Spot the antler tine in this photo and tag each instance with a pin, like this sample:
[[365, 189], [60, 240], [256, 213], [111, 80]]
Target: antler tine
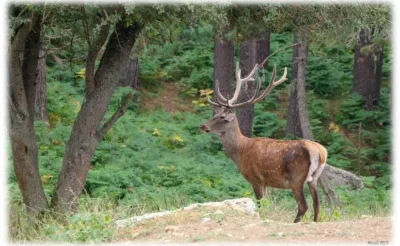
[[213, 103], [240, 81], [251, 101], [272, 84], [219, 94], [218, 97]]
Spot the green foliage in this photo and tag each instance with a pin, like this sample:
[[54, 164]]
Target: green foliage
[[188, 62], [267, 124], [152, 161]]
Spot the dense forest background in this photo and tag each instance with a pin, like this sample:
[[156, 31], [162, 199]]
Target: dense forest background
[[152, 156]]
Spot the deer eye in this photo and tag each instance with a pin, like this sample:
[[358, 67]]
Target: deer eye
[[222, 117]]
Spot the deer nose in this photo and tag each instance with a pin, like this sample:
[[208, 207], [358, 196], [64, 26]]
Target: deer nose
[[204, 128]]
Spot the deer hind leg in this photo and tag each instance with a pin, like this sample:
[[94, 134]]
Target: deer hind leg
[[314, 194], [298, 193], [314, 191]]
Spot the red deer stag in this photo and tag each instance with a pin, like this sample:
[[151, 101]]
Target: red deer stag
[[285, 164]]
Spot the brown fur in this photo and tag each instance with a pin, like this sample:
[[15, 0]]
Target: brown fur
[[271, 162]]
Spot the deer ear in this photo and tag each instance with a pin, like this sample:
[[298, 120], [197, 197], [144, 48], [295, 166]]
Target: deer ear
[[230, 117]]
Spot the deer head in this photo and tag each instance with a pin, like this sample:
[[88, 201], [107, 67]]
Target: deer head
[[225, 120], [222, 122]]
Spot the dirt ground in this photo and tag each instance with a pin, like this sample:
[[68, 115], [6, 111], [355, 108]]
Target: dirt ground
[[227, 225], [167, 99]]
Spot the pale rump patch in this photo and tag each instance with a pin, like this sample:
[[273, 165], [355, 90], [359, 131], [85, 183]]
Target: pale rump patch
[[314, 159], [318, 157]]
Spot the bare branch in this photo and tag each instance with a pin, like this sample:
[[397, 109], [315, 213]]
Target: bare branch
[[120, 112], [276, 51]]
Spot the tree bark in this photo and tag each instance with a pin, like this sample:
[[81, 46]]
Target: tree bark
[[86, 132], [95, 45], [223, 67], [251, 52], [364, 76], [378, 73], [30, 67], [21, 110], [298, 123], [41, 88], [293, 119], [132, 77]]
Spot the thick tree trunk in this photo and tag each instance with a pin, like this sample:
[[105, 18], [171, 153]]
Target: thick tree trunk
[[364, 76], [223, 67], [29, 67], [86, 132], [21, 103], [41, 88], [132, 78], [251, 52]]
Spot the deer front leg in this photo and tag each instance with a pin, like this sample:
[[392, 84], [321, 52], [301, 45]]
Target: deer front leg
[[259, 191]]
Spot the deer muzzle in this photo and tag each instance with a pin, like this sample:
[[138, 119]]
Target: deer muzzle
[[204, 128]]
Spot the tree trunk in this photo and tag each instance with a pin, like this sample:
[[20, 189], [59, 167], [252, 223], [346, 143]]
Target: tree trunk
[[86, 132], [223, 67], [298, 123], [41, 89], [251, 52], [21, 103], [293, 119], [364, 76], [132, 78], [378, 73]]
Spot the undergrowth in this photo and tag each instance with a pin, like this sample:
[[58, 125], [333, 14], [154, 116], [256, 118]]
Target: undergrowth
[[154, 160]]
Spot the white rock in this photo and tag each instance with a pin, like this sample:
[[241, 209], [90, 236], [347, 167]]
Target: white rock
[[241, 204], [205, 219]]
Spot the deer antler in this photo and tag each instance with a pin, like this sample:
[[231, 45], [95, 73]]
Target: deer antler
[[228, 103], [250, 77]]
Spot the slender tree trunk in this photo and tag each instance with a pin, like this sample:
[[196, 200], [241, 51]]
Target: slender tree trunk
[[293, 119], [87, 132], [298, 123], [21, 104], [41, 88], [364, 76], [378, 73], [251, 52], [223, 67]]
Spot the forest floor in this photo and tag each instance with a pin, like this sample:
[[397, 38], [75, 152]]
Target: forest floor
[[216, 225], [166, 98]]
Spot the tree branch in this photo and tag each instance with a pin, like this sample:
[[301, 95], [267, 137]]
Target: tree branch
[[120, 112], [94, 49], [276, 51], [86, 26]]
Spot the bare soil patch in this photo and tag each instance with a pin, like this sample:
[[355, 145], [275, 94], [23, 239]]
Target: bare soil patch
[[228, 225], [166, 98]]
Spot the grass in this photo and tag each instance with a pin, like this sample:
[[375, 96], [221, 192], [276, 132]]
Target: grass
[[94, 220], [279, 206]]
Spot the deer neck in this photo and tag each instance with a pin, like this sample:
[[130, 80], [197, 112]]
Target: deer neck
[[233, 142]]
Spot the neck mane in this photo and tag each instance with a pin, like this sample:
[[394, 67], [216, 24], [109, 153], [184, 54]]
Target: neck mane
[[233, 141]]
